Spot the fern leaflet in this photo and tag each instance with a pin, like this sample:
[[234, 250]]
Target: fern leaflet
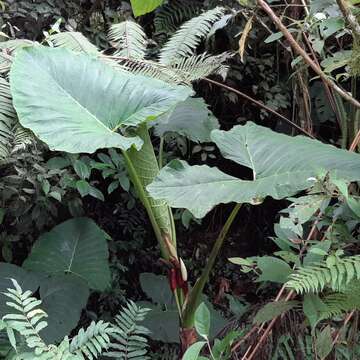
[[188, 37], [334, 272], [129, 39], [130, 340]]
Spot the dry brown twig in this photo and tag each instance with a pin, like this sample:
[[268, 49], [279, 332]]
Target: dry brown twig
[[298, 49]]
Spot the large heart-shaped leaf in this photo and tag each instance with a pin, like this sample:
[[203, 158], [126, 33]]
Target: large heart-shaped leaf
[[281, 165], [190, 118], [77, 103], [63, 298], [77, 246]]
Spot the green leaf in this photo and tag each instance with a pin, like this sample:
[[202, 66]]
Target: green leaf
[[202, 320], [193, 352], [141, 7], [312, 308], [273, 269], [282, 166], [162, 321], [190, 118], [153, 287], [77, 246], [273, 310], [77, 103], [323, 343], [81, 169], [63, 299], [273, 37], [83, 187]]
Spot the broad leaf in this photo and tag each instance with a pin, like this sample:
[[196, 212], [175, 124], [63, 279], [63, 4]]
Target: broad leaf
[[281, 165], [324, 342], [77, 246], [193, 352], [202, 320], [63, 298], [273, 269], [141, 7], [77, 103], [153, 286], [273, 309], [190, 118]]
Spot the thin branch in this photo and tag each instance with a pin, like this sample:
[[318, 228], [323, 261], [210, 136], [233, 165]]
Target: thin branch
[[258, 103], [355, 142], [297, 48]]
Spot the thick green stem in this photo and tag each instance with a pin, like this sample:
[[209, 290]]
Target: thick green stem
[[145, 201], [196, 292]]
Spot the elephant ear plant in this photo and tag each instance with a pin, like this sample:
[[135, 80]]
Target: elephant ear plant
[[79, 104]]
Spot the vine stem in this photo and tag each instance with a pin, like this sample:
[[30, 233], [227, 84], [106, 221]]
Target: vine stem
[[297, 48], [195, 294], [258, 103]]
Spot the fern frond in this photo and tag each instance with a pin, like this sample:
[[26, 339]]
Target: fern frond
[[22, 138], [7, 49], [171, 15], [7, 118], [151, 69], [28, 319], [130, 340], [129, 39], [92, 341], [199, 66], [335, 274], [188, 37], [74, 41]]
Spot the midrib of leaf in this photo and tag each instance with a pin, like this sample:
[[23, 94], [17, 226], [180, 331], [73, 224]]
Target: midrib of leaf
[[73, 253], [127, 39], [67, 94]]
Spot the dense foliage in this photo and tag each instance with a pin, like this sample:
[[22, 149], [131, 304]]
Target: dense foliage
[[200, 158]]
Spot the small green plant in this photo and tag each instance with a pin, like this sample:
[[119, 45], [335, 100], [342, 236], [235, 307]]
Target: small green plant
[[221, 348], [122, 340]]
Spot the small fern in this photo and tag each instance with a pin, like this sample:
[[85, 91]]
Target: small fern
[[130, 340], [129, 39], [171, 15], [74, 41], [93, 341], [7, 118], [126, 338], [13, 137], [28, 320], [334, 272], [339, 303], [199, 66], [188, 37], [7, 49]]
